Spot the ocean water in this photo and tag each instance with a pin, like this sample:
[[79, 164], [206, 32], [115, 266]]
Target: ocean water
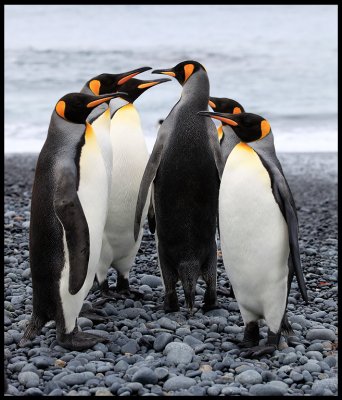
[[277, 61]]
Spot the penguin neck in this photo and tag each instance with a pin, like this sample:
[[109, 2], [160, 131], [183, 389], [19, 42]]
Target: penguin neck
[[196, 90], [67, 135], [230, 140]]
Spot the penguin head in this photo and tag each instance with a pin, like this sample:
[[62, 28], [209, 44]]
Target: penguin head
[[224, 105], [75, 107], [109, 83], [135, 87], [181, 71], [248, 127]]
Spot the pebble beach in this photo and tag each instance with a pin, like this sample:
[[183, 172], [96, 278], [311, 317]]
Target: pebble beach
[[150, 353]]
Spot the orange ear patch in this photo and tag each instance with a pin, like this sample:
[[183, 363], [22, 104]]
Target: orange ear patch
[[94, 86], [99, 101], [60, 108], [265, 128], [188, 70], [237, 110], [212, 104], [147, 85], [220, 133]]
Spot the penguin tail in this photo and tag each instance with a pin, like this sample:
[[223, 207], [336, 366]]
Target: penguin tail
[[188, 276], [286, 326]]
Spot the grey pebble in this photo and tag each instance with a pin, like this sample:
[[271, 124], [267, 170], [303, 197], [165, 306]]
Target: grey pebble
[[249, 377], [319, 386], [178, 382], [130, 347], [290, 358], [145, 376], [83, 322], [322, 334], [33, 392], [316, 355], [28, 379], [77, 378], [151, 281], [177, 353], [167, 323], [120, 366], [311, 367], [266, 390], [330, 360], [161, 341]]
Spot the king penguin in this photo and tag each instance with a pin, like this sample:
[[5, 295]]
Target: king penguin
[[225, 105], [67, 220], [185, 167], [99, 118], [130, 156], [259, 229]]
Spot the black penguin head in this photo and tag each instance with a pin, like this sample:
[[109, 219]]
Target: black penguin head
[[248, 127], [109, 83], [181, 71], [224, 105], [75, 107], [135, 87]]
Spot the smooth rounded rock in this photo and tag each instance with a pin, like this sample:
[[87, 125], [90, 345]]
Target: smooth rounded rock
[[266, 390], [161, 341], [321, 334], [177, 353], [249, 377], [178, 382], [29, 379], [145, 376], [151, 281]]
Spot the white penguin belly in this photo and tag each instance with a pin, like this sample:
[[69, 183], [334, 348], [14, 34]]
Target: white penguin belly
[[130, 157], [92, 193], [254, 238], [101, 127]]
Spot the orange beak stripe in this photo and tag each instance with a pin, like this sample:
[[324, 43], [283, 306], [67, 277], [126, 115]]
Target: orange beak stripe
[[170, 73], [97, 102], [60, 108], [94, 86], [188, 69], [226, 120], [127, 78], [147, 85], [212, 104]]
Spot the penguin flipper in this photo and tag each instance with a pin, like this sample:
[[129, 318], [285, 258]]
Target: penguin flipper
[[149, 175], [284, 198], [70, 213]]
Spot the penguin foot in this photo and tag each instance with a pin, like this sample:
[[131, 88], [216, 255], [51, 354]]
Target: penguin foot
[[293, 341], [258, 351], [32, 330], [208, 307], [79, 340], [169, 309]]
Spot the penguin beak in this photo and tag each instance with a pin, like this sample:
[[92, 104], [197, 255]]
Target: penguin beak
[[164, 71], [226, 118], [149, 84], [126, 76], [104, 98]]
